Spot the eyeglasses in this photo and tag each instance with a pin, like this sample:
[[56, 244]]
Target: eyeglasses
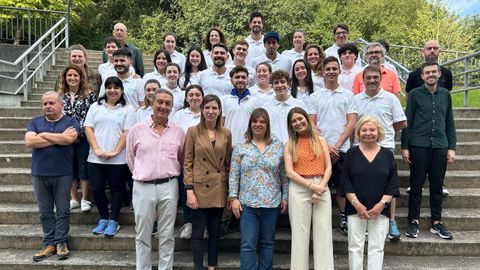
[[341, 33], [374, 52]]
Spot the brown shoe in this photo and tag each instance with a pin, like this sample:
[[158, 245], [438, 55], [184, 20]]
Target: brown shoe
[[62, 251], [44, 253]]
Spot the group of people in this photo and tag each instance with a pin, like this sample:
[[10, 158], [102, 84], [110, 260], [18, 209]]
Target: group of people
[[254, 133]]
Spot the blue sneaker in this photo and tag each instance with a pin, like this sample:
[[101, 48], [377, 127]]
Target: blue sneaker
[[112, 228], [393, 232], [102, 224]]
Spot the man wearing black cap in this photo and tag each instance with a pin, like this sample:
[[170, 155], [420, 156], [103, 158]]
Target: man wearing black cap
[[271, 41]]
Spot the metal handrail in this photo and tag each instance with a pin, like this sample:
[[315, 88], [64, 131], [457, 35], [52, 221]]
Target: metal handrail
[[33, 9], [461, 58], [53, 33], [465, 68]]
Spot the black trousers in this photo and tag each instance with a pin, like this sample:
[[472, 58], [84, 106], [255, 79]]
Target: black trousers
[[211, 219], [431, 162], [114, 175]]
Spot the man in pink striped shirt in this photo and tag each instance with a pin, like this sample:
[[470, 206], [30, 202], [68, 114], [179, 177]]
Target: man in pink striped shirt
[[155, 157]]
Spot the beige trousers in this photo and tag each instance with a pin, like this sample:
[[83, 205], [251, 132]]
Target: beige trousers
[[304, 215]]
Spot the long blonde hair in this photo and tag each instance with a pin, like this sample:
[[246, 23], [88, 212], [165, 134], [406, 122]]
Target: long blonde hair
[[312, 134]]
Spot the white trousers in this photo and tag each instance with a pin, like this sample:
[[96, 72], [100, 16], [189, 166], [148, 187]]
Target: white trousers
[[377, 231], [155, 203], [303, 214]]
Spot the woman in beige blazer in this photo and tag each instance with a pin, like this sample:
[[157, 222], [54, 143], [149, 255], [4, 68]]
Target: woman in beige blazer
[[208, 148]]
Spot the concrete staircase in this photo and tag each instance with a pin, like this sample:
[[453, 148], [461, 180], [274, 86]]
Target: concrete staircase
[[20, 231]]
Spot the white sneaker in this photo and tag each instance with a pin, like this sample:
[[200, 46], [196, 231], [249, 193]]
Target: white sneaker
[[445, 191], [74, 204], [86, 206], [186, 231]]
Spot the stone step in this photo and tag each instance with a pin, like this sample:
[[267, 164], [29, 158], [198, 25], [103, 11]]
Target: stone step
[[12, 133], [20, 112], [14, 146], [125, 260], [453, 179], [457, 219], [467, 123], [463, 163], [465, 243], [466, 112], [22, 160], [463, 148], [458, 198], [14, 122], [36, 103]]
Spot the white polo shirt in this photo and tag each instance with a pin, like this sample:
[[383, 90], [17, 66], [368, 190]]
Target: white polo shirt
[[278, 112], [305, 96], [259, 93], [133, 91], [237, 114], [318, 80], [194, 79], [251, 73], [185, 119], [280, 62], [331, 109], [178, 59], [178, 98], [143, 114], [162, 79], [384, 106], [346, 77], [208, 58], [108, 70], [333, 51], [108, 125], [214, 83], [292, 54], [255, 49]]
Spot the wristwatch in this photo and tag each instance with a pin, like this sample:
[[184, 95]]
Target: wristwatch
[[385, 203]]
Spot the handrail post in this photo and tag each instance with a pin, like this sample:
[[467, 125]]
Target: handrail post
[[54, 60], [25, 77], [67, 29], [29, 14], [41, 70], [465, 83]]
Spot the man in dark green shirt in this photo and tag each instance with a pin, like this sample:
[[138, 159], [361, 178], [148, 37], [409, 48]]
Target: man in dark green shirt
[[428, 143]]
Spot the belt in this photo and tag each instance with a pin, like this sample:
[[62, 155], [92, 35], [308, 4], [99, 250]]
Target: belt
[[158, 181]]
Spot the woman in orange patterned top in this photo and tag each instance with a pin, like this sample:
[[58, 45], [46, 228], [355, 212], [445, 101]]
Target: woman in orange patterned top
[[308, 167]]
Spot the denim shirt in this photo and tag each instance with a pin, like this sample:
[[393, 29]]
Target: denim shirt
[[258, 179]]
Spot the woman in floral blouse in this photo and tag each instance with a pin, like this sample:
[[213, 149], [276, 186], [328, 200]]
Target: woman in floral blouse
[[258, 190], [77, 98]]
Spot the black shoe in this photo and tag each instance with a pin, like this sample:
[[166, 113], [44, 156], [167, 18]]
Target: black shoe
[[412, 230], [441, 230], [155, 229]]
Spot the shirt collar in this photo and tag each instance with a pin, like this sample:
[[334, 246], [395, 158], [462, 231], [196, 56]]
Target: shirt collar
[[245, 93], [151, 124], [363, 94]]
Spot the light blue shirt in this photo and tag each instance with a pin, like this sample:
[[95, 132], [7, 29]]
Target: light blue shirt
[[258, 179]]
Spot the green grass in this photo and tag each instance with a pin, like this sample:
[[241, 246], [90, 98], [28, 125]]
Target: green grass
[[473, 99]]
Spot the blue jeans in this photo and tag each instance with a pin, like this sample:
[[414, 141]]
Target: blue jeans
[[53, 192], [257, 225]]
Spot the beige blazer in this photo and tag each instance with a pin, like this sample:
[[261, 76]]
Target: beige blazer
[[206, 168]]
